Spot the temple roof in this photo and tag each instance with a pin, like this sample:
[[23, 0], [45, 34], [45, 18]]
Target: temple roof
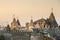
[[40, 20], [18, 22]]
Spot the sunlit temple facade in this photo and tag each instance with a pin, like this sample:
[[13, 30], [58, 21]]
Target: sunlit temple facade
[[15, 24], [34, 29]]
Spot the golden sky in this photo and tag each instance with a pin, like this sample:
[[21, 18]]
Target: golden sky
[[24, 9]]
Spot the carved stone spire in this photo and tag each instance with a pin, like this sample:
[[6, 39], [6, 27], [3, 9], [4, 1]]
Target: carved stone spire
[[14, 20], [52, 10], [18, 22], [31, 21], [52, 19]]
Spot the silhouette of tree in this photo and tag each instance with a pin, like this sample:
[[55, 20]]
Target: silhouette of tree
[[8, 28]]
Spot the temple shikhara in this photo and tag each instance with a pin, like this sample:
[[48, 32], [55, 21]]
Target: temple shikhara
[[40, 23], [41, 29]]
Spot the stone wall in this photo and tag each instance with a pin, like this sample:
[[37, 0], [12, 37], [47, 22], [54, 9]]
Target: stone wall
[[16, 35]]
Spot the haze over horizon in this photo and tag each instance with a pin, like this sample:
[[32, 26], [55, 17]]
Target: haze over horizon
[[24, 9]]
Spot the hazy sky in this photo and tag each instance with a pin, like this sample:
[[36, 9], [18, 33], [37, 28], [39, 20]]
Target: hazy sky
[[24, 9]]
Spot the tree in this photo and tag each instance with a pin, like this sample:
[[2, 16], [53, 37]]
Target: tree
[[8, 28]]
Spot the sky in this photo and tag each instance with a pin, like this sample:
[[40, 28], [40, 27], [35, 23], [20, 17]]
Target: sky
[[24, 9]]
